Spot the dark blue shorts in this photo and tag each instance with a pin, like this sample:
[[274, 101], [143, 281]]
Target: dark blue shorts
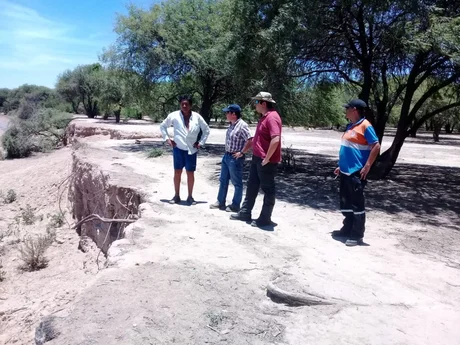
[[183, 160]]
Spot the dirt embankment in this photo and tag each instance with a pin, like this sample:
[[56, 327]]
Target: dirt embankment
[[190, 275]]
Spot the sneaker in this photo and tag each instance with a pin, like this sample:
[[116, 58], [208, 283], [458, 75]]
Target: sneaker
[[232, 208], [191, 201], [354, 242], [241, 216], [217, 205], [175, 200]]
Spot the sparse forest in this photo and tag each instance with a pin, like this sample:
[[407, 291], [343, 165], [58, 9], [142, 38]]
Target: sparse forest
[[402, 58]]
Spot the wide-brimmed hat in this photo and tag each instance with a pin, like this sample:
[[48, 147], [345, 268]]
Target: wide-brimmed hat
[[264, 96]]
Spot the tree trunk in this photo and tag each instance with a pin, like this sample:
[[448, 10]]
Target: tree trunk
[[437, 131], [117, 115], [449, 128], [74, 107], [413, 132], [386, 161], [380, 124], [206, 105]]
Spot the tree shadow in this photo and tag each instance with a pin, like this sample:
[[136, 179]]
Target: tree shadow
[[142, 146], [427, 193], [426, 138]]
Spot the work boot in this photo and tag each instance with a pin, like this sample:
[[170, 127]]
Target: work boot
[[241, 216]]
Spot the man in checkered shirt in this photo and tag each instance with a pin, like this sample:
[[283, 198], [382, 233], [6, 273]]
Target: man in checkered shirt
[[237, 142]]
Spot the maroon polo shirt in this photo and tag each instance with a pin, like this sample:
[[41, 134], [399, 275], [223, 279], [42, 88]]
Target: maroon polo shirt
[[269, 126]]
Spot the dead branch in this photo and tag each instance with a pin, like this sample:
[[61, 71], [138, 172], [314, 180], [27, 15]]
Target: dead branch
[[295, 299], [104, 220]]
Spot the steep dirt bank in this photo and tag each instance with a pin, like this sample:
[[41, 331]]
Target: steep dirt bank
[[100, 209]]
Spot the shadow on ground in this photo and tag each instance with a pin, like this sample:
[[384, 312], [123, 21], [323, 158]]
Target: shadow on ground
[[426, 138], [425, 192]]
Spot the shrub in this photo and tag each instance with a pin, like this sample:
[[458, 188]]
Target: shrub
[[16, 143], [42, 131], [57, 220], [10, 197], [2, 273], [288, 160], [155, 152], [32, 253], [28, 215]]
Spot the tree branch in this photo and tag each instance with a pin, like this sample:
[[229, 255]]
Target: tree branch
[[430, 92], [104, 220], [427, 116]]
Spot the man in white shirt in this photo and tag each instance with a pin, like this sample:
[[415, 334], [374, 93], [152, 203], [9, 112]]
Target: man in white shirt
[[187, 125]]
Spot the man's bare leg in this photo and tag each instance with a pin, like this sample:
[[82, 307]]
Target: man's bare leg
[[190, 182], [177, 177]]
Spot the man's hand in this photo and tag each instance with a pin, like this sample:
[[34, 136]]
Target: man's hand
[[171, 142], [237, 155], [197, 145], [365, 171], [337, 171], [265, 161]]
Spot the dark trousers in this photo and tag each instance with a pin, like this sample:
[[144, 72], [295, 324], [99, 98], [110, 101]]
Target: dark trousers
[[352, 204], [260, 177]]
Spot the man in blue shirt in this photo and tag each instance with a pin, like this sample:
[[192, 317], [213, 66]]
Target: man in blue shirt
[[358, 151]]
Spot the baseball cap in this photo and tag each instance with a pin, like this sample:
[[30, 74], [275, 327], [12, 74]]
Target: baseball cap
[[234, 108], [264, 96], [356, 103]]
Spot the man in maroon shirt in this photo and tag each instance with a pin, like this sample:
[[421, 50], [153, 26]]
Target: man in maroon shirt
[[266, 146]]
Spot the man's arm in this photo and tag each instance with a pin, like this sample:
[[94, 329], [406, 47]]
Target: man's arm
[[205, 128], [271, 149], [372, 157], [247, 136], [164, 127], [245, 149]]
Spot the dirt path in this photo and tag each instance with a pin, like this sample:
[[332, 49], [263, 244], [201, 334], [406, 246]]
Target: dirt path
[[190, 275]]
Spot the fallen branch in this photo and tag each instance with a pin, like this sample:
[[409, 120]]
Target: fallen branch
[[104, 220], [294, 299]]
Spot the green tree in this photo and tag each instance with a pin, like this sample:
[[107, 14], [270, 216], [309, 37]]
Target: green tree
[[84, 84], [33, 94], [3, 97], [386, 49], [66, 86], [178, 41]]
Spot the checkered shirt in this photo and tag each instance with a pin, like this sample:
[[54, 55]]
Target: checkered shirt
[[237, 135]]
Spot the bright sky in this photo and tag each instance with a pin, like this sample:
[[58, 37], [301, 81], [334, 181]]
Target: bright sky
[[39, 39]]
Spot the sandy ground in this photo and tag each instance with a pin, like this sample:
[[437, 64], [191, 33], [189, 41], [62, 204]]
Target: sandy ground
[[190, 275], [25, 297]]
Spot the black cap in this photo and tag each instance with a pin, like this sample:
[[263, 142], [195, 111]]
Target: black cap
[[356, 103]]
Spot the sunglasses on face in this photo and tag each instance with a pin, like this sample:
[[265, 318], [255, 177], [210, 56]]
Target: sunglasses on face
[[258, 102]]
